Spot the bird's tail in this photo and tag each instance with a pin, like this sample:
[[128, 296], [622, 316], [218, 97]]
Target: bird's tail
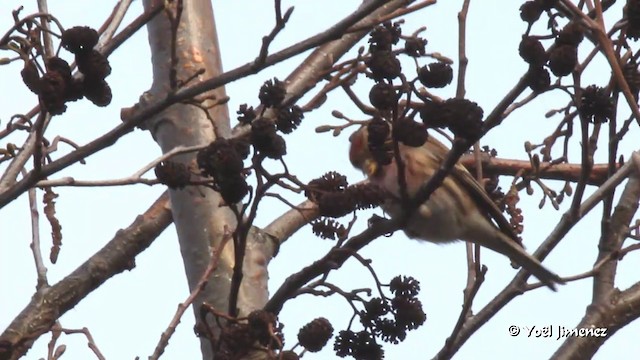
[[531, 264], [497, 241]]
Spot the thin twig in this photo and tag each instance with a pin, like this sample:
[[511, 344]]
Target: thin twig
[[596, 268], [465, 312], [135, 118], [395, 14], [473, 250], [518, 284], [281, 22], [597, 27], [46, 36], [29, 149], [135, 178], [182, 308], [91, 343], [113, 22], [36, 250], [29, 19]]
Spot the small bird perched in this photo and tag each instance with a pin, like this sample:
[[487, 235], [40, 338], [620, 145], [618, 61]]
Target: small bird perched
[[459, 209]]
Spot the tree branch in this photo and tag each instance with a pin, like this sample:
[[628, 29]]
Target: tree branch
[[516, 286], [610, 309], [48, 304]]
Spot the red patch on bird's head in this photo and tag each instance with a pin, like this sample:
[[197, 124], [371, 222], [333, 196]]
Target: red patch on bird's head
[[359, 147]]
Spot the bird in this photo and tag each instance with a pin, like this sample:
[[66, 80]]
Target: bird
[[460, 209]]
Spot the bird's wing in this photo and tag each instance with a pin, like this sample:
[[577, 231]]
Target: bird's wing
[[479, 195]]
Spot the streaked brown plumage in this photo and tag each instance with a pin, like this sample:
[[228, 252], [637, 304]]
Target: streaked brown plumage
[[459, 209]]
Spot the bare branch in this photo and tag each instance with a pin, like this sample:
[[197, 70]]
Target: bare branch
[[517, 285], [204, 279], [41, 269], [118, 255], [610, 309]]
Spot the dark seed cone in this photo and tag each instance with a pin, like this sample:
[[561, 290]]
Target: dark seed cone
[[93, 65], [79, 39], [632, 76], [632, 13], [572, 34], [563, 59], [246, 114], [530, 11], [173, 174], [220, 159], [52, 90], [262, 324], [596, 104], [379, 146], [336, 204], [315, 335], [538, 79], [384, 65], [361, 345], [329, 182], [367, 196], [415, 46], [547, 4], [330, 229], [272, 93], [266, 141], [433, 115], [410, 132], [233, 188], [31, 76], [384, 36], [435, 75], [409, 313], [383, 96], [404, 286], [289, 119], [97, 91], [60, 66], [532, 51], [288, 355], [464, 118]]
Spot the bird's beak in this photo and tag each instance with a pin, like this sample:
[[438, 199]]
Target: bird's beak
[[370, 167]]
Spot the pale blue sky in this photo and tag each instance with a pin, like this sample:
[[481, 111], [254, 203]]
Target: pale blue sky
[[127, 315]]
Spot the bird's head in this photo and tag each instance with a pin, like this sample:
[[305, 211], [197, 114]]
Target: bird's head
[[359, 153]]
